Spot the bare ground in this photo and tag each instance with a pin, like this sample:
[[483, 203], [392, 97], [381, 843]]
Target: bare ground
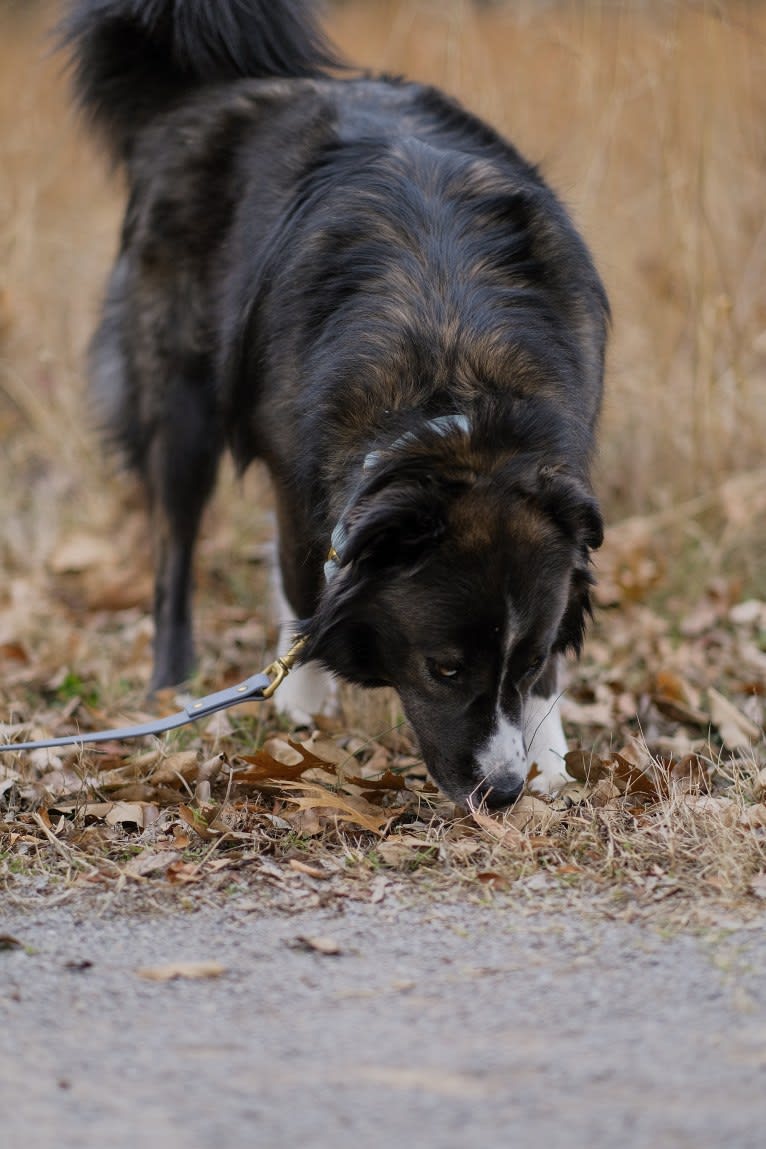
[[442, 1025]]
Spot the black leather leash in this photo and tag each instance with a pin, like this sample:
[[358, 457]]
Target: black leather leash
[[257, 688]]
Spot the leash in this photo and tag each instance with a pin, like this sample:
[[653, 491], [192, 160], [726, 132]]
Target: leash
[[257, 688]]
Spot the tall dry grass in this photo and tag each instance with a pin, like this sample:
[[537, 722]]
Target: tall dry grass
[[650, 120]]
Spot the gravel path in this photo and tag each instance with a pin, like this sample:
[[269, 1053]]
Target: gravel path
[[438, 1027]]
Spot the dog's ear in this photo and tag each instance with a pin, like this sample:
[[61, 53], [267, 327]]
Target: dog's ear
[[579, 609], [571, 504], [394, 526]]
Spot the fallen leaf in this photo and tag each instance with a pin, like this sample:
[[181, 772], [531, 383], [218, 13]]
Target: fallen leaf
[[587, 714], [530, 812], [679, 711], [724, 810], [141, 814], [190, 970], [751, 612], [345, 808], [6, 312], [402, 851], [13, 652], [506, 834], [181, 873], [736, 730], [265, 769], [285, 753], [183, 765], [8, 942], [603, 792], [585, 766], [490, 878], [322, 945], [202, 822], [79, 551], [302, 868], [325, 749], [633, 777], [147, 863]]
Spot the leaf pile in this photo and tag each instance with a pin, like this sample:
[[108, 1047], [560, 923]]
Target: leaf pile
[[668, 797]]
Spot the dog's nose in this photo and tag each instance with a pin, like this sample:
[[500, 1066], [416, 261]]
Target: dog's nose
[[499, 792]]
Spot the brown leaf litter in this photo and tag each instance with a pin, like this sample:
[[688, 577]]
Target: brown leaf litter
[[665, 714]]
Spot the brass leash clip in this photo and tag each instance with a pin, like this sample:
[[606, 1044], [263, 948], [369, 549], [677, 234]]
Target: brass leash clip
[[281, 667]]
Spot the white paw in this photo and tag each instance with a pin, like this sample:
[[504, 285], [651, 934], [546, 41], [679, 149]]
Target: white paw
[[307, 691], [546, 744]]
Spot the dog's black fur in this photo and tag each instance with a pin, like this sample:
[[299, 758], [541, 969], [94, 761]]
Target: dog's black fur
[[311, 267]]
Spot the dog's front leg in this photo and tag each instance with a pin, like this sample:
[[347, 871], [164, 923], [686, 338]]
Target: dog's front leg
[[543, 733], [308, 690]]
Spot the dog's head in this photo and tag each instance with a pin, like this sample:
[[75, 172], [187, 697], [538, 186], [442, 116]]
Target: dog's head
[[456, 585]]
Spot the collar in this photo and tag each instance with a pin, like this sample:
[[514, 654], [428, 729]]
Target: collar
[[443, 425]]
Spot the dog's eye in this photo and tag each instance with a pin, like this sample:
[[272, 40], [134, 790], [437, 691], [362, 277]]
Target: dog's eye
[[534, 668], [443, 671]]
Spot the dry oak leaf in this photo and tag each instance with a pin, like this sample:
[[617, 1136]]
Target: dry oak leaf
[[278, 761], [629, 777], [736, 730], [192, 970], [344, 807]]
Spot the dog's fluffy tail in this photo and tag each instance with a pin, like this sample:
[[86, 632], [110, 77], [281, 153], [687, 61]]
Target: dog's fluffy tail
[[134, 59]]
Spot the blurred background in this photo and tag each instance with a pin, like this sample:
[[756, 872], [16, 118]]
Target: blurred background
[[649, 119]]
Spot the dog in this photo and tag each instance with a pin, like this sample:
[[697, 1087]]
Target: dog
[[359, 283]]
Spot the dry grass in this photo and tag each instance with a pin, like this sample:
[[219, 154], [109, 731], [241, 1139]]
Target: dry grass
[[650, 119]]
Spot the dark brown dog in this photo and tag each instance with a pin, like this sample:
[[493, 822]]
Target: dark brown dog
[[361, 284]]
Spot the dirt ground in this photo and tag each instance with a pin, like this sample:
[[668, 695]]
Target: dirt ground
[[434, 1024]]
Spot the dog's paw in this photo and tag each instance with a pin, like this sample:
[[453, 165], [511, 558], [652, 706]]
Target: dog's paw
[[307, 691], [549, 773]]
